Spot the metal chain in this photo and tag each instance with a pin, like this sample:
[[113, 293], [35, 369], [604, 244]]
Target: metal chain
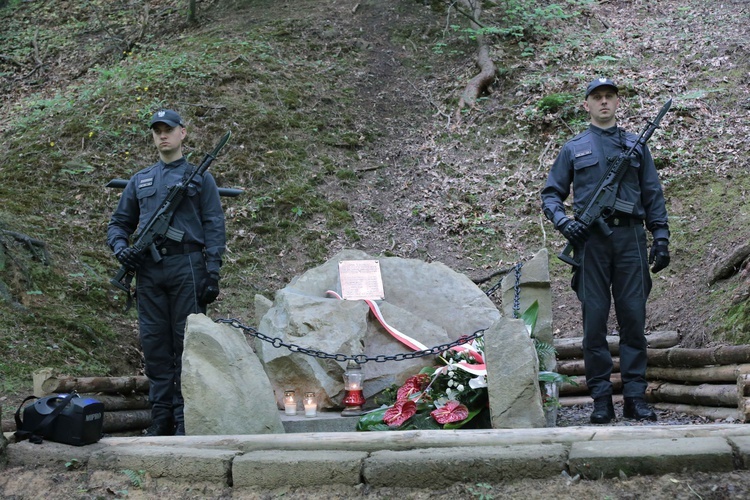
[[381, 358], [517, 291], [358, 358]]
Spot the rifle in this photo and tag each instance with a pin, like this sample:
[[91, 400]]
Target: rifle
[[603, 200], [157, 229], [121, 183]]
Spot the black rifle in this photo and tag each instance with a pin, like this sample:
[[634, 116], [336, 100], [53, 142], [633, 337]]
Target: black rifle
[[603, 200], [121, 183], [157, 230]]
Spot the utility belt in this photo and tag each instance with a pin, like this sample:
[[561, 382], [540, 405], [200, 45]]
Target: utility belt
[[171, 248], [618, 220]]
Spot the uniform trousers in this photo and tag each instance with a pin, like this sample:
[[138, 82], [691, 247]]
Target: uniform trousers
[[614, 267], [167, 292]]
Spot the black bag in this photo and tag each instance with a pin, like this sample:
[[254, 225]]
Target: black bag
[[63, 418]]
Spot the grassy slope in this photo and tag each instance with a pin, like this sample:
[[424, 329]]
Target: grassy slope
[[341, 139]]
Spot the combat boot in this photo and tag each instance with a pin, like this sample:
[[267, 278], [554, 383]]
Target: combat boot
[[160, 427], [604, 410], [638, 409]]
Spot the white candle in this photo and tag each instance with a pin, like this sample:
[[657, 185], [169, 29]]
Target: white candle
[[311, 409], [290, 403]]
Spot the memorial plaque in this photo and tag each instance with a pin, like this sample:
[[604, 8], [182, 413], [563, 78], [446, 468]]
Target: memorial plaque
[[360, 279]]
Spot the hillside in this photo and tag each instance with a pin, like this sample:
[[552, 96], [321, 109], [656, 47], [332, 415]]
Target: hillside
[[344, 136]]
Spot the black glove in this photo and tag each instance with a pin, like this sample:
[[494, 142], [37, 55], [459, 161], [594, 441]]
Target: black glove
[[210, 290], [575, 232], [659, 255], [129, 258]]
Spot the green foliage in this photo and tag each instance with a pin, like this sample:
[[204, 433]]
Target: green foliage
[[481, 491], [555, 102], [136, 477]]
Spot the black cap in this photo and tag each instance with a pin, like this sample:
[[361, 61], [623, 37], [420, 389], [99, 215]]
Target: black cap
[[600, 82], [167, 116]]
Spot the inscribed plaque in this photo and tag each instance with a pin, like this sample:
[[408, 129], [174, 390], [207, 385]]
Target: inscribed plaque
[[360, 279]]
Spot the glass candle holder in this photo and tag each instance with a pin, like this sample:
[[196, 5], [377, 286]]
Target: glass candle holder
[[290, 403], [311, 404], [353, 395]]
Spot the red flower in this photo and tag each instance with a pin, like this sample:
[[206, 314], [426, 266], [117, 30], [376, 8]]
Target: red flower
[[453, 411], [413, 385], [400, 412]]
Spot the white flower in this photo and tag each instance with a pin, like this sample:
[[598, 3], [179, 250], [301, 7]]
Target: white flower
[[450, 383], [460, 388], [478, 382]]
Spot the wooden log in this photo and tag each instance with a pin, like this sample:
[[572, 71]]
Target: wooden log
[[724, 395], [125, 420], [121, 385], [572, 348], [744, 409], [743, 390], [568, 389], [680, 357], [697, 375], [712, 412], [728, 266], [117, 402], [743, 384], [585, 400], [576, 367], [8, 425]]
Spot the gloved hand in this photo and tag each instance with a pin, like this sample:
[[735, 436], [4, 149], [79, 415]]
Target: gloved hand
[[129, 258], [659, 255], [575, 232], [210, 290]]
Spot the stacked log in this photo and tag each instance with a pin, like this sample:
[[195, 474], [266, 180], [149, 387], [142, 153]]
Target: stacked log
[[709, 382], [125, 399]]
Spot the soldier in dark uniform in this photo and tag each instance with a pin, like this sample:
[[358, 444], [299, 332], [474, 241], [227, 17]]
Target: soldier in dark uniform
[[615, 266], [186, 278]]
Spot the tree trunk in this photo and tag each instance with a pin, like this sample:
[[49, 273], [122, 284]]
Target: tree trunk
[[730, 265], [701, 395], [487, 69], [123, 385], [125, 420], [116, 402], [701, 374], [713, 413], [572, 348], [582, 388], [722, 355]]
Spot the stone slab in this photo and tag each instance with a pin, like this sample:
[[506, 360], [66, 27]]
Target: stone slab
[[742, 446], [325, 421], [594, 460], [276, 468], [438, 467], [194, 464], [49, 454]]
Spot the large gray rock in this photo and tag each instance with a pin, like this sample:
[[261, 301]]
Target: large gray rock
[[225, 388], [533, 285], [512, 376], [427, 301]]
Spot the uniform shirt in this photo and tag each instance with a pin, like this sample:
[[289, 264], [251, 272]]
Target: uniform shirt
[[199, 214], [582, 162]]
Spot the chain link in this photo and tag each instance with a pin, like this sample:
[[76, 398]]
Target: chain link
[[517, 292], [357, 358], [516, 289]]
